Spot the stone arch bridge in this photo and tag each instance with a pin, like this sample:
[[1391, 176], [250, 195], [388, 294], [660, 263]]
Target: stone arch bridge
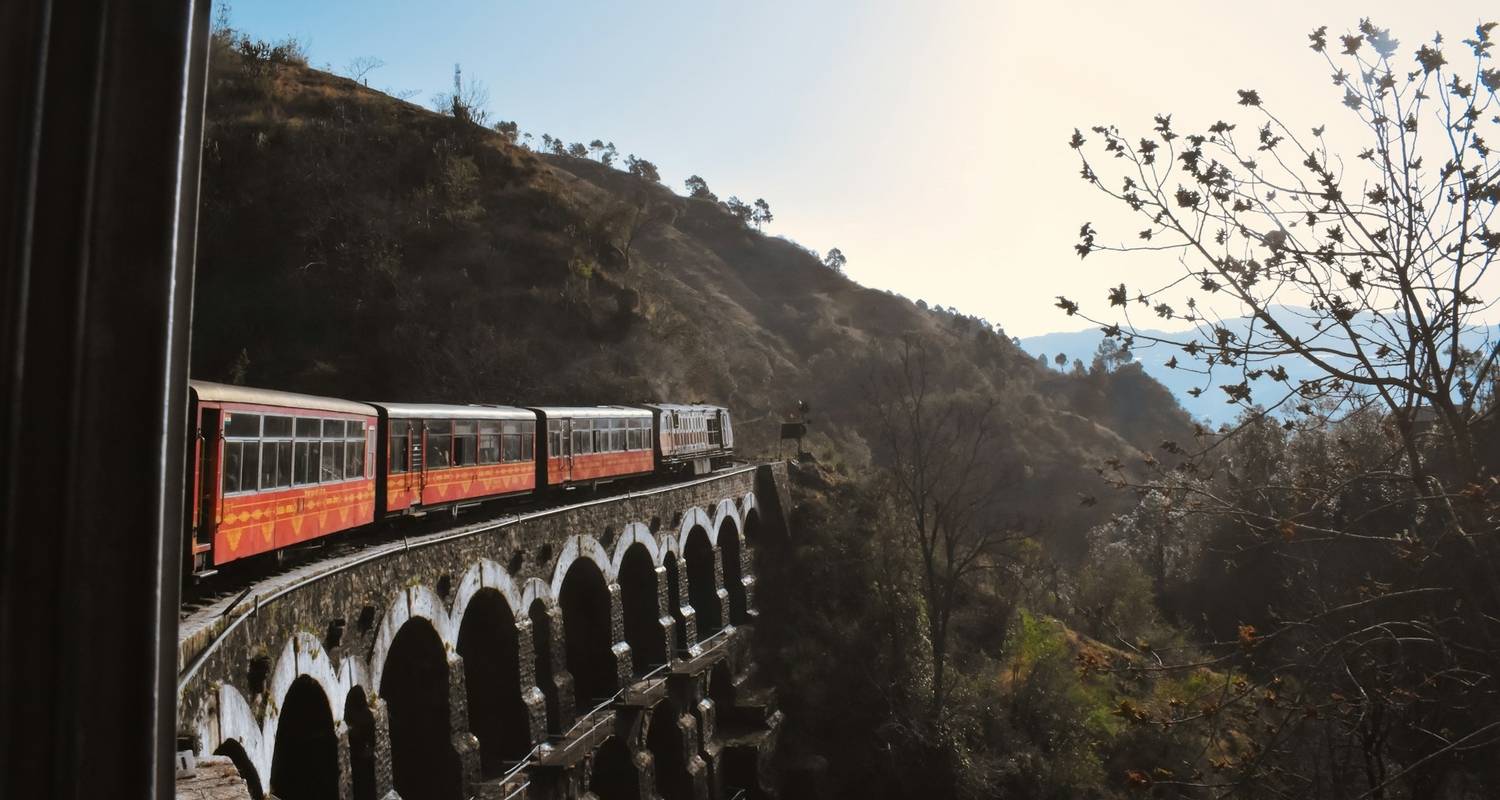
[[600, 649]]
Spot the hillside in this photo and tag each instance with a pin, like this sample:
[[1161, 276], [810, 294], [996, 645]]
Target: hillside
[[357, 245]]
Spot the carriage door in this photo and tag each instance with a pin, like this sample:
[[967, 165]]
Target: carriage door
[[209, 439], [565, 452], [418, 458]]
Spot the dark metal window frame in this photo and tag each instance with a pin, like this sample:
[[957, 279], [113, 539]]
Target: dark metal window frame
[[99, 154]]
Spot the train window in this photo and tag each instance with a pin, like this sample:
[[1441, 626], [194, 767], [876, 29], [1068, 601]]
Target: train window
[[439, 443], [617, 435], [528, 441], [305, 462], [333, 429], [332, 463], [354, 459], [267, 465], [489, 441], [278, 428], [307, 428], [511, 447], [242, 426], [283, 464], [400, 448], [232, 465], [583, 437], [465, 443]]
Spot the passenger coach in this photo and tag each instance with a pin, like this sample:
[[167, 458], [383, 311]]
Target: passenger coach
[[594, 444], [272, 469], [694, 438], [450, 457]]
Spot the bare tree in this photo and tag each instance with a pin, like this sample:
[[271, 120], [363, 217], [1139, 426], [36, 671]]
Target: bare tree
[[359, 68], [941, 451], [468, 101], [1368, 273], [1368, 269]]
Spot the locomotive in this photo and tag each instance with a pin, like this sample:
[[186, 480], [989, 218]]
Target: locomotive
[[272, 469]]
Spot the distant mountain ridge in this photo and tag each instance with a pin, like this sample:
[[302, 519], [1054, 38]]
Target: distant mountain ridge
[[1211, 405]]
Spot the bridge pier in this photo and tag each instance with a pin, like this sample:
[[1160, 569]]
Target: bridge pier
[[385, 781], [720, 590], [465, 743], [531, 694], [346, 763], [562, 679], [624, 660]]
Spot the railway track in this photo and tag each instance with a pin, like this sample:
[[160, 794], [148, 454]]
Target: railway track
[[222, 592]]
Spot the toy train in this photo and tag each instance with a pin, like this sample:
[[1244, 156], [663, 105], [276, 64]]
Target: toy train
[[273, 469]]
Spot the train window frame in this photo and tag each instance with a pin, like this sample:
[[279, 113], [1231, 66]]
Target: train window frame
[[238, 439], [331, 454], [354, 449], [398, 432], [307, 449], [437, 440], [489, 441], [583, 437], [465, 443]]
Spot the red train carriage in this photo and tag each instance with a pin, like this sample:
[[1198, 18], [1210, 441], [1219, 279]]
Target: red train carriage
[[272, 469], [594, 444], [440, 456], [698, 437]]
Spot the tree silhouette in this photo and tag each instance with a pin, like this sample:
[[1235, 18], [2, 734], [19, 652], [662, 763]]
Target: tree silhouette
[[761, 214], [1368, 269], [739, 209], [835, 260], [698, 189], [641, 168]]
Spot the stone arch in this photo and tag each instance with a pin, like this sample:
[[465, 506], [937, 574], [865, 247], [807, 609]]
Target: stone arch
[[588, 631], [536, 590], [750, 520], [234, 723], [360, 722], [305, 756], [578, 547], [635, 533], [414, 602], [541, 645], [490, 646], [640, 606], [485, 574], [703, 582], [303, 656], [725, 510], [235, 750], [416, 687], [692, 518], [730, 558]]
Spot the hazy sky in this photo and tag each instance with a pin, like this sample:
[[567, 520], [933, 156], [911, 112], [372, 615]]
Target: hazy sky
[[925, 138]]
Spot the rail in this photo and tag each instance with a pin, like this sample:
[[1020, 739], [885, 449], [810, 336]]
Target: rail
[[405, 545]]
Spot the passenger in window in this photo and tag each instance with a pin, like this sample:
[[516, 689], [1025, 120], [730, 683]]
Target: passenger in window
[[232, 465]]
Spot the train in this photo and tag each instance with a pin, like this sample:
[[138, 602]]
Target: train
[[271, 470]]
